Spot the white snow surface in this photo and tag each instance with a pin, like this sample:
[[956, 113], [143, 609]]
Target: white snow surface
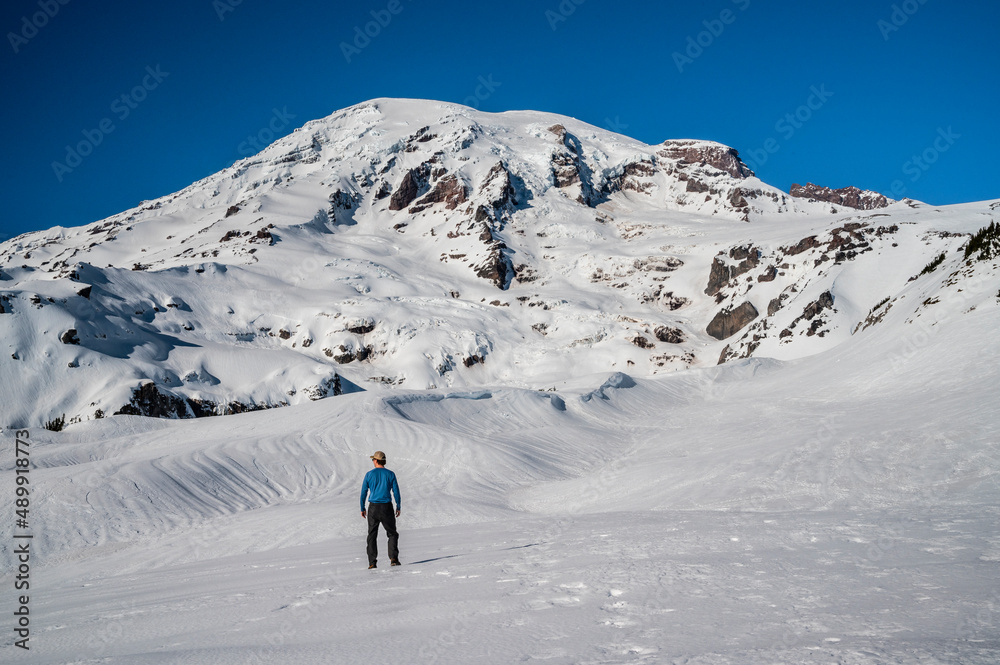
[[815, 499], [841, 508]]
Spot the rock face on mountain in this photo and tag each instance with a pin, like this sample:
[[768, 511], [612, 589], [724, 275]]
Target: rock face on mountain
[[407, 244], [851, 197], [728, 322], [721, 157]]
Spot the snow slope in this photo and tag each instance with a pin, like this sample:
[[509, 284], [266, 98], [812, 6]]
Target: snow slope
[[837, 508]]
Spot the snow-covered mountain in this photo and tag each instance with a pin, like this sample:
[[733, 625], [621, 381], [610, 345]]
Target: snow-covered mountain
[[509, 298], [417, 244]]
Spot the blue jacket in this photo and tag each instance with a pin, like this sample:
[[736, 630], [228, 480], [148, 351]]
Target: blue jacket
[[380, 482]]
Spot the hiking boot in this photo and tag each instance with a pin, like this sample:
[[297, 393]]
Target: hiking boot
[[394, 562], [370, 566]]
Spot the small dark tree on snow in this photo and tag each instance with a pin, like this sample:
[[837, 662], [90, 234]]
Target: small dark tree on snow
[[932, 266], [985, 242]]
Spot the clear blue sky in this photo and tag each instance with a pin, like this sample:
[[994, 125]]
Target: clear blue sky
[[896, 80]]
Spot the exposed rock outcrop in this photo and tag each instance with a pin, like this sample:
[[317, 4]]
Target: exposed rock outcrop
[[497, 267], [720, 156], [718, 277], [813, 314], [803, 245], [851, 197], [342, 205], [845, 243], [776, 304], [499, 196], [325, 388], [360, 353], [748, 257], [362, 327], [721, 272], [449, 190], [728, 322], [669, 335], [633, 173], [151, 401], [498, 187], [569, 168], [768, 275], [642, 342], [410, 187], [634, 176], [147, 400], [825, 301]]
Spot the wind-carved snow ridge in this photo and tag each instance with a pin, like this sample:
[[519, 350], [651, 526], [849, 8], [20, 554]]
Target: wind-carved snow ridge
[[407, 244], [399, 403], [616, 380]]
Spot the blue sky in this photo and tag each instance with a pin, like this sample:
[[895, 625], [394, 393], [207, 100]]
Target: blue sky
[[889, 95]]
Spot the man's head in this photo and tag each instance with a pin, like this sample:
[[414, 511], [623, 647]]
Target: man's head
[[378, 458]]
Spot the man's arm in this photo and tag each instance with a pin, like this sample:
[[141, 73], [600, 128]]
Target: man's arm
[[395, 493], [364, 494]]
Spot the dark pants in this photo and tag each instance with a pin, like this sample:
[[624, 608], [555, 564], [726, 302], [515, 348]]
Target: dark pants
[[382, 513]]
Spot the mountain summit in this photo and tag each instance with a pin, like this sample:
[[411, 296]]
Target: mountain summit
[[427, 245]]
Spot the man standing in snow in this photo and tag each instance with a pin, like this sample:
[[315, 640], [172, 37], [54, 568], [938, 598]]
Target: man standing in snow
[[380, 481]]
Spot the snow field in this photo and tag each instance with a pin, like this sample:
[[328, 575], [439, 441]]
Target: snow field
[[749, 513], [632, 587]]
